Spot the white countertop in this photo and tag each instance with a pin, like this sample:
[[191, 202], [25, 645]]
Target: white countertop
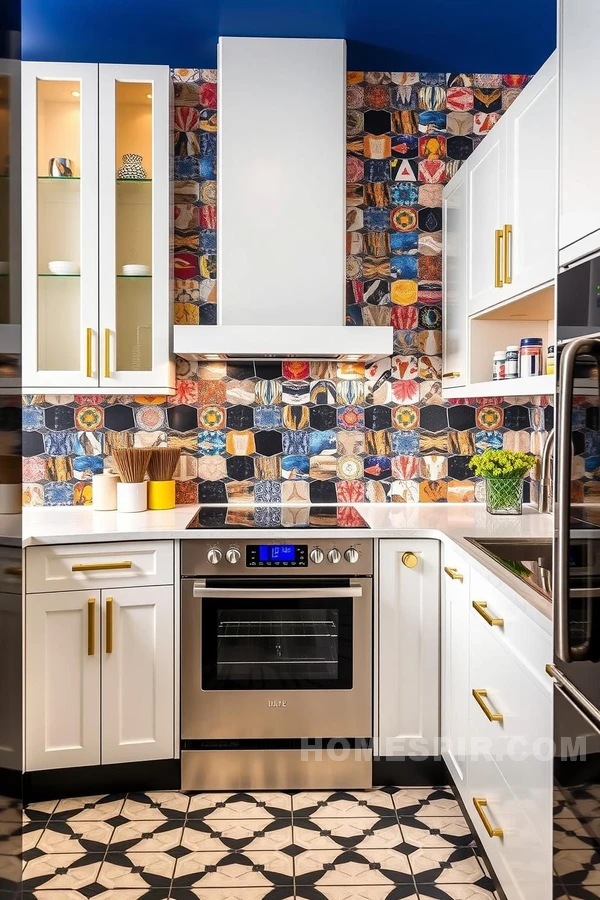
[[446, 522]]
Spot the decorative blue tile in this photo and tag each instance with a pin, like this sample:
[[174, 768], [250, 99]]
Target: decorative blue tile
[[267, 417], [32, 418], [267, 492], [405, 443], [296, 443], [295, 466], [58, 493], [86, 466], [322, 442], [58, 443], [211, 443]]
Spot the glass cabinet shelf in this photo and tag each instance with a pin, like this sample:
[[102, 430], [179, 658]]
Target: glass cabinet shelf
[[57, 178], [130, 277], [134, 181], [52, 275]]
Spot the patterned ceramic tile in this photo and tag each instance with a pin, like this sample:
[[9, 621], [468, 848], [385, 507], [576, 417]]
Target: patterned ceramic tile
[[407, 133]]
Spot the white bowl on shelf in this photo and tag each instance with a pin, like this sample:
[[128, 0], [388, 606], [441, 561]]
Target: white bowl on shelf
[[135, 269], [4, 267], [63, 267]]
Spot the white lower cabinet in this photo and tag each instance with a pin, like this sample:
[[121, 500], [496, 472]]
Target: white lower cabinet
[[62, 680], [409, 627], [495, 693], [455, 665], [137, 674], [99, 677]]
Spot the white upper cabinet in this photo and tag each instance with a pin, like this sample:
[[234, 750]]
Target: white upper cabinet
[[530, 257], [455, 281], [485, 235], [579, 129], [94, 324]]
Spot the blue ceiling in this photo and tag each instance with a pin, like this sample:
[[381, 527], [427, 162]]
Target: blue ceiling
[[416, 35]]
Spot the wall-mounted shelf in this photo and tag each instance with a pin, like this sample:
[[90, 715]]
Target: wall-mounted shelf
[[508, 387]]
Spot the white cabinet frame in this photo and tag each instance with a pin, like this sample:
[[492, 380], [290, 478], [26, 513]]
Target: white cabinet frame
[[54, 381]]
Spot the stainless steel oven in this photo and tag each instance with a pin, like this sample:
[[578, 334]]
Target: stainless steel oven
[[276, 663]]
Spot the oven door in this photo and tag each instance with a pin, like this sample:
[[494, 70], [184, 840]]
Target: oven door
[[280, 658]]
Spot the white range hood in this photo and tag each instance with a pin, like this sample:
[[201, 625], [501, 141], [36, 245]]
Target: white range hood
[[281, 206]]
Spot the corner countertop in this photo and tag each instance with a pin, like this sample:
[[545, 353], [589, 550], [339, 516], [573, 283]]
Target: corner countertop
[[446, 522]]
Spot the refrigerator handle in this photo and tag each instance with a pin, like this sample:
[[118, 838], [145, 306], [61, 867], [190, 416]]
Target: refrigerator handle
[[562, 463]]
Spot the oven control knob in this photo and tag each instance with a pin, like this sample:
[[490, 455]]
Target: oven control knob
[[351, 555], [334, 555], [232, 556], [316, 555], [214, 555]]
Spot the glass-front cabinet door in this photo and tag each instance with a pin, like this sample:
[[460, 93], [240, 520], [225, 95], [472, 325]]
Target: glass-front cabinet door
[[135, 218], [60, 226]]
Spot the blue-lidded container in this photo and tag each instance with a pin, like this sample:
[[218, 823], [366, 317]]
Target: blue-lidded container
[[531, 357]]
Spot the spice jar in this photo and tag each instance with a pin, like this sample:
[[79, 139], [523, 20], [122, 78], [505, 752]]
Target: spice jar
[[512, 361], [499, 364], [530, 357], [550, 360]]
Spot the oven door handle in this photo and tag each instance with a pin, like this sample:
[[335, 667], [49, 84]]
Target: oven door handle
[[200, 591]]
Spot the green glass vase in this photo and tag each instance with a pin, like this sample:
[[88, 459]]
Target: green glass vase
[[504, 495]]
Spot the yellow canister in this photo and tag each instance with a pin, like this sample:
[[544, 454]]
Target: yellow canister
[[161, 494]]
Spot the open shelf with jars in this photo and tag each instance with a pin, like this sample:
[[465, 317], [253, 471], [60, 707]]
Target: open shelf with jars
[[96, 234]]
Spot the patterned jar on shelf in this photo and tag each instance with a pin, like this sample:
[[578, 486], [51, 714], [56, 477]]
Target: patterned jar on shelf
[[504, 495], [132, 167]]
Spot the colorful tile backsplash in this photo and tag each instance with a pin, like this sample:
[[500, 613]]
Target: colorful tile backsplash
[[324, 432]]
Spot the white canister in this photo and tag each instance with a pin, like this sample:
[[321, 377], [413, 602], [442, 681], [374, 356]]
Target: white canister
[[132, 496], [104, 491]]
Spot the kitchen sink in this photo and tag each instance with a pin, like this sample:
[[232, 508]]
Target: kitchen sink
[[529, 560]]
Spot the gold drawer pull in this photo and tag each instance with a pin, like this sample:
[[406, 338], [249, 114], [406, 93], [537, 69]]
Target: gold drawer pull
[[17, 571], [91, 626], [109, 624], [492, 716], [410, 560], [481, 607], [100, 567], [453, 573], [479, 803], [450, 374], [498, 253]]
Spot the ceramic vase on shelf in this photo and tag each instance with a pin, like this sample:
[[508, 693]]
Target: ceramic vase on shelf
[[504, 495], [132, 167], [60, 167]]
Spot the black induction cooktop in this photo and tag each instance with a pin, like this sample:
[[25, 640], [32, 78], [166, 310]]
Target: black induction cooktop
[[277, 517]]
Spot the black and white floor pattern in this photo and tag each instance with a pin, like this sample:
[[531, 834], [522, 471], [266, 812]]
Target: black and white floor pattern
[[388, 844]]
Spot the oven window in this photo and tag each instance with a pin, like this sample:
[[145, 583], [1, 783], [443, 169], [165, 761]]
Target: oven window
[[294, 645]]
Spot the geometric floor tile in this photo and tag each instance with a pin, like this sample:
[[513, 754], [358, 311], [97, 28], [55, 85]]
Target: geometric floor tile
[[352, 867], [232, 893], [62, 871], [359, 892], [580, 867], [137, 870], [143, 836], [240, 805], [346, 804], [448, 866], [89, 809], [436, 831], [426, 802], [227, 870], [456, 892], [158, 805], [365, 832], [75, 837], [237, 835]]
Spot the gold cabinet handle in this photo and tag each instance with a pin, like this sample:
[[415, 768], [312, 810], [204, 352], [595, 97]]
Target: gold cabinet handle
[[17, 571], [109, 624], [479, 803], [88, 352], [450, 374], [491, 716], [454, 574], [481, 607], [100, 567], [498, 253], [410, 560], [107, 352], [91, 626], [508, 254]]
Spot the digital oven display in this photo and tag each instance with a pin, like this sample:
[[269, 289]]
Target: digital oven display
[[285, 555]]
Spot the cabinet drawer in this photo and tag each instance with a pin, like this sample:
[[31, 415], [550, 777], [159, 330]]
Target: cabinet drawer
[[521, 861], [521, 742], [71, 568], [11, 570], [518, 633]]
